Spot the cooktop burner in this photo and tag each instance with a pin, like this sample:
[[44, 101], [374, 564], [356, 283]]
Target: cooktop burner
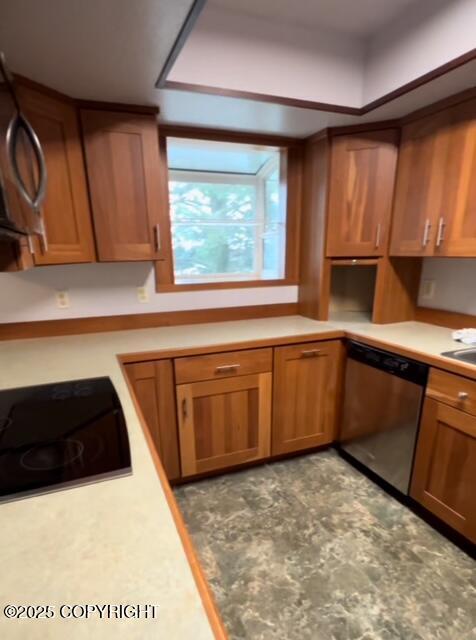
[[60, 435]]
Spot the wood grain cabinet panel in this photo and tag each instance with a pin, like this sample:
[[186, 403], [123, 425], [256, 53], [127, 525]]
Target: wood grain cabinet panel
[[153, 384], [444, 475], [126, 184], [223, 423], [66, 210], [361, 190], [223, 365], [306, 379], [456, 231], [457, 391], [420, 176]]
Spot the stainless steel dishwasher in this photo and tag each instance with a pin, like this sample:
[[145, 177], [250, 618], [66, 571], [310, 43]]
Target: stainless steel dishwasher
[[382, 405]]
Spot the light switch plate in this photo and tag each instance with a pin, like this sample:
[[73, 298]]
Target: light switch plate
[[428, 289], [62, 299], [142, 294]]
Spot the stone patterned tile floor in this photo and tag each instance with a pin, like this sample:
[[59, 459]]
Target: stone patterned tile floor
[[311, 549]]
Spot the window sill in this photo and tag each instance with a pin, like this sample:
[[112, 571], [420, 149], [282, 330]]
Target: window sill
[[241, 284]]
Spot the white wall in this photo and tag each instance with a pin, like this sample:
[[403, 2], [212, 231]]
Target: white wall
[[455, 284], [111, 289], [235, 51], [424, 38]]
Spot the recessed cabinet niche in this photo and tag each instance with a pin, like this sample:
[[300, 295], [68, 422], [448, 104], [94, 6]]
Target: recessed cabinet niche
[[352, 290]]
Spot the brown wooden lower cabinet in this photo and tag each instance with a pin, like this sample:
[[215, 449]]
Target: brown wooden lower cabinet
[[224, 422], [444, 475], [306, 381], [153, 384]]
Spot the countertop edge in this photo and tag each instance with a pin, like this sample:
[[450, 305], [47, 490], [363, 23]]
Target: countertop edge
[[203, 587]]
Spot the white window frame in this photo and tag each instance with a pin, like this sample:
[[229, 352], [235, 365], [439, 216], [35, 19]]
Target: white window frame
[[257, 180]]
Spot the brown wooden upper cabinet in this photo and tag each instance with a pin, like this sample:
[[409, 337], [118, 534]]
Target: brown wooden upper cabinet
[[306, 386], [435, 197], [444, 475], [362, 179], [66, 208], [456, 232], [126, 184], [224, 417]]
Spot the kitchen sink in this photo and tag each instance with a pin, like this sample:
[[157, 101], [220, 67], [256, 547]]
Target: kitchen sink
[[464, 355]]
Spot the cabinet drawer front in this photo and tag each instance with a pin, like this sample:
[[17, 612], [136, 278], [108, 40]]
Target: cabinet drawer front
[[223, 365], [454, 390]]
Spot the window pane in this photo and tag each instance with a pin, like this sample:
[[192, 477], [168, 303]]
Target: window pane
[[273, 206], [274, 248], [211, 249], [212, 201], [228, 218]]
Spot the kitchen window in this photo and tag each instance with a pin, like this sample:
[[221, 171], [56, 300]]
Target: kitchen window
[[228, 212]]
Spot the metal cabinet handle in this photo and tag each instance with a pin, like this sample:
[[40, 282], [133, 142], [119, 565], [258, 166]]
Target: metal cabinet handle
[[377, 235], [227, 368], [426, 232], [310, 353], [462, 395], [441, 232], [158, 239], [17, 124], [184, 409]]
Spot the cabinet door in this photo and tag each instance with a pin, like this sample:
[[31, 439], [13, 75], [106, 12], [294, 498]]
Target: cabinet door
[[123, 165], [361, 191], [66, 211], [456, 235], [420, 176], [153, 384], [444, 475], [224, 422], [306, 378]]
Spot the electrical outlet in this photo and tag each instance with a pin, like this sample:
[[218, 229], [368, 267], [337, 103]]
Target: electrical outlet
[[62, 299], [428, 289], [142, 294]]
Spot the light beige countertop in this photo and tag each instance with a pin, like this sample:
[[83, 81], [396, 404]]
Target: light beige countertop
[[115, 542]]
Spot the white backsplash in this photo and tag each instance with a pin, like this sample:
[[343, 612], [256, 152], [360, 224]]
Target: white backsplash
[[455, 284], [107, 289]]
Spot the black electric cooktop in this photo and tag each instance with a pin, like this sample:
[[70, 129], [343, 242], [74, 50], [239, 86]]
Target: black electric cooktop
[[57, 436]]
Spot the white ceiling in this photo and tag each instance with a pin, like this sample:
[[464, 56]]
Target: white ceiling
[[185, 107], [291, 52], [361, 18], [113, 50], [93, 49]]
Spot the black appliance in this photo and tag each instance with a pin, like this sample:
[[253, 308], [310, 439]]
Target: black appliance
[[22, 167], [383, 399], [57, 436]]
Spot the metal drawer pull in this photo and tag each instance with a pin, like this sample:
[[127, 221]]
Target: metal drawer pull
[[377, 235], [309, 353], [426, 232], [225, 368], [462, 395], [158, 242], [441, 232]]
